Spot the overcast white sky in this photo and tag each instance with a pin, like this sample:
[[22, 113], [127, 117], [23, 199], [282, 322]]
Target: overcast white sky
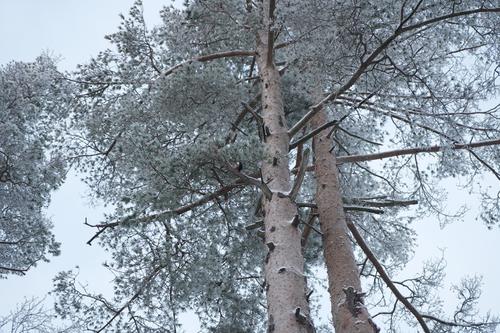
[[74, 30]]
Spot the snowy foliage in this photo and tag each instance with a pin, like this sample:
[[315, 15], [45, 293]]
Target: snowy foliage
[[32, 115], [32, 316]]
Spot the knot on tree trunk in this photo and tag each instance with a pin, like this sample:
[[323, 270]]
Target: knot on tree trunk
[[354, 300]]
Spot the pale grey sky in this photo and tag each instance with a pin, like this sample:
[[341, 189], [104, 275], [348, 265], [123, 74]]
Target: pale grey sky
[[70, 28], [74, 30]]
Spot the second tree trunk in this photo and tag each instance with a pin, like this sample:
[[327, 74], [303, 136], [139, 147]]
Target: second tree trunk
[[348, 311]]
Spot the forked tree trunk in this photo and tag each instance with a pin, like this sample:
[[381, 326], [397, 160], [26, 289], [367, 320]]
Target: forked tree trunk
[[288, 311], [348, 312]]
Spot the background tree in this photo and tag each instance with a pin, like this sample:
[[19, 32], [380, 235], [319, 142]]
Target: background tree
[[31, 316], [32, 106], [157, 123]]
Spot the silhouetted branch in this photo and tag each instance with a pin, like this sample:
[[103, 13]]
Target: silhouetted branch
[[312, 133], [359, 239], [145, 282], [22, 271]]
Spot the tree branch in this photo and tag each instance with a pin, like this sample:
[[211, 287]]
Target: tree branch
[[453, 324], [384, 276], [411, 151], [251, 180], [178, 211], [393, 115], [346, 208], [312, 133], [208, 57], [308, 226], [383, 203], [363, 209], [145, 282], [270, 32], [17, 270], [452, 15], [300, 175], [247, 107]]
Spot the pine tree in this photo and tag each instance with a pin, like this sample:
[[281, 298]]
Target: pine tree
[[194, 131]]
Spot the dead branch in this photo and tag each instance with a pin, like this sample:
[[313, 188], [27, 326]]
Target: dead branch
[[300, 175], [415, 150], [208, 57], [145, 282], [412, 151], [312, 133], [308, 226]]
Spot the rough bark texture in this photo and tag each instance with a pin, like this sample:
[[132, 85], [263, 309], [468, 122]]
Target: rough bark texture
[[284, 267], [348, 312]]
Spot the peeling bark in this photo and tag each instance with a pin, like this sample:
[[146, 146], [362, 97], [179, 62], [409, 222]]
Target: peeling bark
[[348, 311], [284, 267]]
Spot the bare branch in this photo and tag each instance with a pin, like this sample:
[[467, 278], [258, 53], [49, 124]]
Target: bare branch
[[250, 180], [178, 211], [308, 226], [416, 150], [145, 282], [312, 133], [359, 137], [383, 203], [22, 271], [346, 208], [255, 225], [412, 151], [453, 324], [363, 209], [300, 175], [449, 16], [208, 57], [384, 276]]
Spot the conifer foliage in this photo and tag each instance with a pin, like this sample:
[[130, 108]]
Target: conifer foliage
[[33, 98]]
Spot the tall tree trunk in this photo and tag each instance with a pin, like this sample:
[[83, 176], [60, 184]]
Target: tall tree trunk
[[348, 312], [288, 310]]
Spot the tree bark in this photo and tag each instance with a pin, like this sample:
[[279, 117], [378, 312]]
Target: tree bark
[[344, 285], [288, 310]]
